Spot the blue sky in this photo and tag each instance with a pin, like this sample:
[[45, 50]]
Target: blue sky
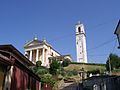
[[21, 20]]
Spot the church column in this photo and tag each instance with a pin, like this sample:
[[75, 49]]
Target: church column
[[47, 60], [43, 52], [37, 53], [45, 57], [30, 55]]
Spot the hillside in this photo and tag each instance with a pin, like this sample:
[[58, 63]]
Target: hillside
[[86, 66]]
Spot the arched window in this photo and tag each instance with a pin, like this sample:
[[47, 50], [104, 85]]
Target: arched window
[[79, 29]]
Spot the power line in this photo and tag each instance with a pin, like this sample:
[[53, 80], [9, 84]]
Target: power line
[[71, 34], [103, 55], [114, 47], [103, 44], [104, 23], [99, 55]]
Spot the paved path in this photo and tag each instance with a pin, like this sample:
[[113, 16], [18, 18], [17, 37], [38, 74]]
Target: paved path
[[71, 86]]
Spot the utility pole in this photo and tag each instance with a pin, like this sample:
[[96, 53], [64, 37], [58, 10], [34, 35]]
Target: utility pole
[[109, 66]]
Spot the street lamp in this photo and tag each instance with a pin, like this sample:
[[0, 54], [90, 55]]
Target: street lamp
[[117, 32]]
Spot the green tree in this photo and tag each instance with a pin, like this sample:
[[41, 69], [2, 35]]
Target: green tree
[[66, 62], [39, 70], [48, 79], [114, 62], [54, 67], [38, 63]]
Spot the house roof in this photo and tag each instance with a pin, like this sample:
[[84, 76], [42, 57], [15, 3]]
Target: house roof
[[12, 50], [4, 60], [18, 60], [117, 30]]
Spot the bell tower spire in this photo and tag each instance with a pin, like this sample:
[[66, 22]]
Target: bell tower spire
[[81, 43]]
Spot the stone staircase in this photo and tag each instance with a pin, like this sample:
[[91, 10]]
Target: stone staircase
[[70, 86]]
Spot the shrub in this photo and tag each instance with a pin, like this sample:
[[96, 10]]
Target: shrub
[[54, 67], [41, 71], [48, 79], [75, 72], [71, 73], [97, 71], [38, 63], [65, 62]]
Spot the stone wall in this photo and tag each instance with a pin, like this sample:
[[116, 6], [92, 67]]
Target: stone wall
[[102, 83]]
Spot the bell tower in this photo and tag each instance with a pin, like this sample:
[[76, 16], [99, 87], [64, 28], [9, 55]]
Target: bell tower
[[81, 43]]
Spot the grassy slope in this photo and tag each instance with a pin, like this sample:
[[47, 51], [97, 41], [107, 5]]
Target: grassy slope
[[116, 72], [87, 67]]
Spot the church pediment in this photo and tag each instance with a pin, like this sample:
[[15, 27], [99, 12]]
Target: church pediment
[[33, 43]]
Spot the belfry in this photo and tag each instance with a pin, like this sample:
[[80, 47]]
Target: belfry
[[81, 43]]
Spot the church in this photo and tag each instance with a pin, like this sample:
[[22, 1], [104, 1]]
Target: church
[[41, 50]]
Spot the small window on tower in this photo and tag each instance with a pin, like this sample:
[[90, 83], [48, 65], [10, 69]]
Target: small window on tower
[[77, 42], [79, 29]]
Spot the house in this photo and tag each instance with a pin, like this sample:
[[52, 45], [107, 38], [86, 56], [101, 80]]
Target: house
[[14, 70], [117, 32]]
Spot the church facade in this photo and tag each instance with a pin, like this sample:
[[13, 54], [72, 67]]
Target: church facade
[[81, 43], [37, 50]]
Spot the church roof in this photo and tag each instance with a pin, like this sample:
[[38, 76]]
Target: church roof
[[35, 42]]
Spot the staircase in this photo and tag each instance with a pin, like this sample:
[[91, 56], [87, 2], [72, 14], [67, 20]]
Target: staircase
[[70, 86]]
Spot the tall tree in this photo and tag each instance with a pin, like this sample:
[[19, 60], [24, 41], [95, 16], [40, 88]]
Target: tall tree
[[114, 62]]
